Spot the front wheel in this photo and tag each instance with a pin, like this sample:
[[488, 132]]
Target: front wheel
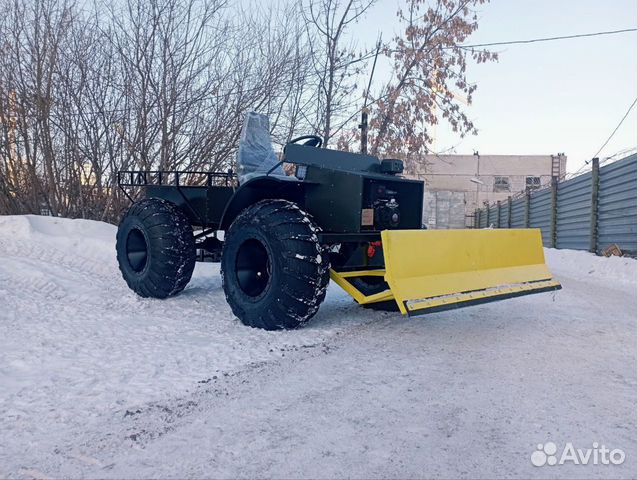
[[155, 248], [274, 271]]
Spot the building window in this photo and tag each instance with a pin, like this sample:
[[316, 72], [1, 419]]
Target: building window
[[501, 184], [532, 183]]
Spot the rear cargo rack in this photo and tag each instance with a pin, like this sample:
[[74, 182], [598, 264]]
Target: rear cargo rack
[[175, 179], [138, 178]]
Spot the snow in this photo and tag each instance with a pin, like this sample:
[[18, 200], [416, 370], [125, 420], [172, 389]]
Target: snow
[[97, 382], [618, 271]]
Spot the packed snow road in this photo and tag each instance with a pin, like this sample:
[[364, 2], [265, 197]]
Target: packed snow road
[[96, 382]]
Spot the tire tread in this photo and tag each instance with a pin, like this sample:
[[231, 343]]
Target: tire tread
[[171, 248], [303, 279]]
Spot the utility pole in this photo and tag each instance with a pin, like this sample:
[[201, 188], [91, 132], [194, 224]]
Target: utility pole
[[365, 111], [363, 126]]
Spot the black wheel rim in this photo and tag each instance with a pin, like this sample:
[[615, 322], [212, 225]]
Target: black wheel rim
[[136, 250], [253, 267]]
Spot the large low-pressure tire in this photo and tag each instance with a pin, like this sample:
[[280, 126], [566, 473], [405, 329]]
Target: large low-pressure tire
[[155, 248], [274, 271]]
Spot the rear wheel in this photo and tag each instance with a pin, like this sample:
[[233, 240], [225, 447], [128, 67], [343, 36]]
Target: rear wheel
[[155, 248], [275, 272]]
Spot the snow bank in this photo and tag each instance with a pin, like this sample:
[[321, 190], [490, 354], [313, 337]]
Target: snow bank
[[585, 266], [77, 344], [73, 238]]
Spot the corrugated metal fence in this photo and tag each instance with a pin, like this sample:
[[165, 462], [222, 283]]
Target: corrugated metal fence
[[588, 212]]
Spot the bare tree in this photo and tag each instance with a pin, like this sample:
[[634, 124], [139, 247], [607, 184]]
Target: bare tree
[[429, 62], [34, 34], [336, 63], [158, 84], [89, 90]]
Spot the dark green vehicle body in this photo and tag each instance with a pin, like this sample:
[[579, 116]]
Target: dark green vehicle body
[[346, 193]]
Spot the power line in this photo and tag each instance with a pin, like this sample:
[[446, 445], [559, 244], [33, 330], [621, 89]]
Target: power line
[[549, 39], [616, 128], [587, 162]]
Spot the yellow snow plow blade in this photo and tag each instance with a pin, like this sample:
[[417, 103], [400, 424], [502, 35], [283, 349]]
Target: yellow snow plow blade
[[432, 270]]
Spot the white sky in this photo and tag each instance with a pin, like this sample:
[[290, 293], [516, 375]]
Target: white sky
[[563, 96]]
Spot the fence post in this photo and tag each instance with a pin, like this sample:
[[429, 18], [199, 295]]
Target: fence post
[[497, 220], [553, 228], [488, 210], [594, 204], [476, 218], [509, 212], [527, 209]]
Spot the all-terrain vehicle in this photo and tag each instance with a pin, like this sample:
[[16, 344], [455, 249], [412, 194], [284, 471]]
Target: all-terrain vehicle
[[280, 238]]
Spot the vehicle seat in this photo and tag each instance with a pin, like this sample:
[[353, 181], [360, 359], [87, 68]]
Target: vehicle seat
[[256, 156]]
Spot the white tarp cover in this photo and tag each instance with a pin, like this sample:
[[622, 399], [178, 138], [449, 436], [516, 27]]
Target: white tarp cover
[[256, 155]]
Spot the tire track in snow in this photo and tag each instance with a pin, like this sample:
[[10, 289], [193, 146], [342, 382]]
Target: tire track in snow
[[78, 349]]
